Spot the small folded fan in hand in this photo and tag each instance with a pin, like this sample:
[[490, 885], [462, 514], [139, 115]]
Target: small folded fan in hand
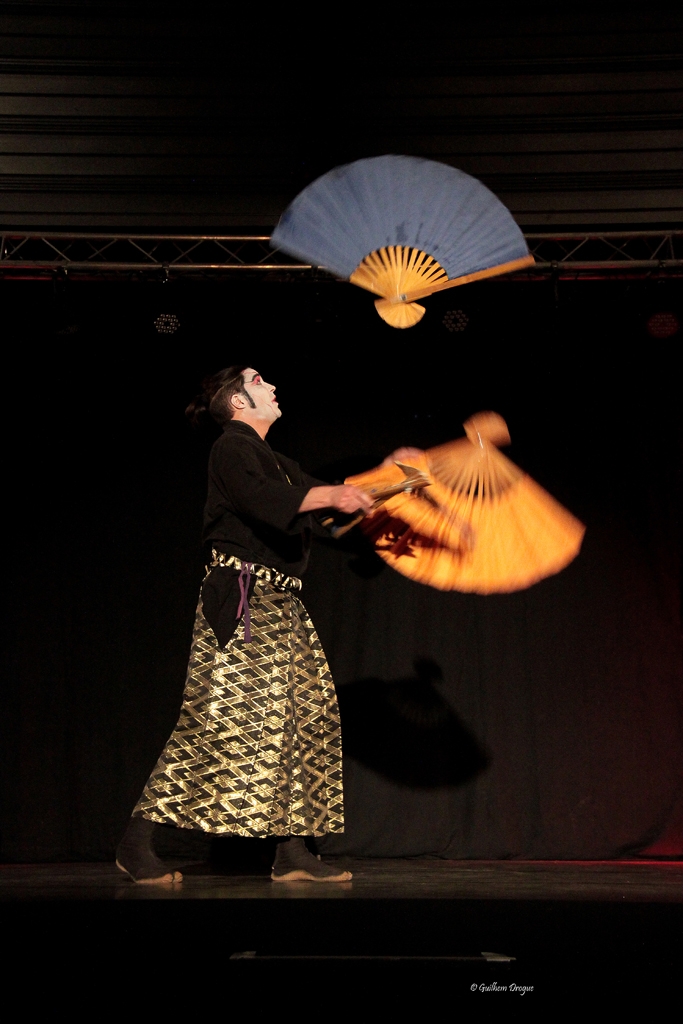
[[403, 228], [481, 525]]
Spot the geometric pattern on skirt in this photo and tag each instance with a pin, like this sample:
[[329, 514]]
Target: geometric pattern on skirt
[[257, 747]]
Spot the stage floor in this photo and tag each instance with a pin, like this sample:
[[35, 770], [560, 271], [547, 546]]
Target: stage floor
[[413, 879], [450, 933]]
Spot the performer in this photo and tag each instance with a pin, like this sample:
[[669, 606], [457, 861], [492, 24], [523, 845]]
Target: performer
[[257, 748]]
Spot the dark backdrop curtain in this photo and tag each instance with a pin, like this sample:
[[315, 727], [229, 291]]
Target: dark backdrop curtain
[[540, 724]]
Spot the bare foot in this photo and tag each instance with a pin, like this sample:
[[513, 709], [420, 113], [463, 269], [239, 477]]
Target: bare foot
[[168, 879], [305, 876], [294, 862]]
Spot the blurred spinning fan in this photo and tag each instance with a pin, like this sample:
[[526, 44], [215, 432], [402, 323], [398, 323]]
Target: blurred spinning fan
[[403, 228], [463, 517]]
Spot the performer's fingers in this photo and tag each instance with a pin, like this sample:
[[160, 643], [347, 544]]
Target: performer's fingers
[[361, 500], [351, 499]]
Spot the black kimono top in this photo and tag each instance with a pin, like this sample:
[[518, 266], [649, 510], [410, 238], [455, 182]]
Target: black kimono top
[[252, 507]]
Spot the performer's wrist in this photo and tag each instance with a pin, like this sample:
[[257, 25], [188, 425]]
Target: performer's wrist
[[343, 497], [317, 497]]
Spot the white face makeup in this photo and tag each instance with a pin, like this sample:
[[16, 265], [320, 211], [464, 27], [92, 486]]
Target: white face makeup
[[262, 394]]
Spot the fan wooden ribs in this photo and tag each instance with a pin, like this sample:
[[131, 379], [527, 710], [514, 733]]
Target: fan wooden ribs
[[401, 275], [393, 272]]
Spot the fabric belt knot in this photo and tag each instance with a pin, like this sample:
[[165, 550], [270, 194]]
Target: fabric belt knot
[[244, 581]]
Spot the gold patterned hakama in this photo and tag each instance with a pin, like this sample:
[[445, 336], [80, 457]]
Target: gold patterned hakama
[[257, 747]]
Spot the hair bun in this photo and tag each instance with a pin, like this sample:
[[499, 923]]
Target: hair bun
[[198, 409]]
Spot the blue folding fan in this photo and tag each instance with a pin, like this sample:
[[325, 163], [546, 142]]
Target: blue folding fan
[[403, 228]]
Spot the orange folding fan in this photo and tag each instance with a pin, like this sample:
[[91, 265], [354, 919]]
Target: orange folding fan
[[463, 517]]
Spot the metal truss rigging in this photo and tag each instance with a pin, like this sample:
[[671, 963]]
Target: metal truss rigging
[[565, 254], [607, 252], [84, 253]]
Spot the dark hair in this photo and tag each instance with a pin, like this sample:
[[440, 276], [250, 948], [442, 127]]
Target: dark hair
[[215, 396]]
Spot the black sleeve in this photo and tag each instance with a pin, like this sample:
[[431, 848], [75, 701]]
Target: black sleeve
[[297, 475], [255, 495]]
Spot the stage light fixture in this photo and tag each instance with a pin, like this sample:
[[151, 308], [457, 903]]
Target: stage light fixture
[[455, 320], [663, 325], [167, 323]]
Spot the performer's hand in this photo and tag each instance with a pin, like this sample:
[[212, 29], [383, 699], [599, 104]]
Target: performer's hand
[[403, 455], [347, 498], [343, 497]]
